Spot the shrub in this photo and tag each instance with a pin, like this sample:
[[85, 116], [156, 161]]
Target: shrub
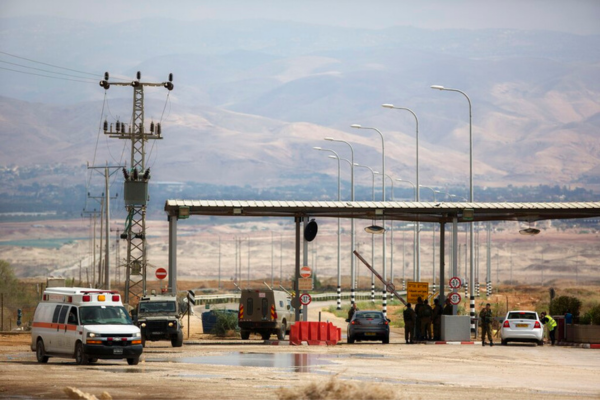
[[594, 314], [562, 304], [226, 324], [585, 319]]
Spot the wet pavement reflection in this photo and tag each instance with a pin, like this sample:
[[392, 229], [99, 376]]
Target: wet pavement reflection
[[290, 362]]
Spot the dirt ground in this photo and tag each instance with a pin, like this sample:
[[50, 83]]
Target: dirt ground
[[207, 367]]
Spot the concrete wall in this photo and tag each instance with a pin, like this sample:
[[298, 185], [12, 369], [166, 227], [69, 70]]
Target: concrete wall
[[583, 333], [456, 328]]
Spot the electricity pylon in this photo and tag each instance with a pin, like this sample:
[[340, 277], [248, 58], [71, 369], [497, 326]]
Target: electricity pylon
[[136, 183]]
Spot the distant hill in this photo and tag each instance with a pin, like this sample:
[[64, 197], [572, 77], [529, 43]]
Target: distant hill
[[252, 98]]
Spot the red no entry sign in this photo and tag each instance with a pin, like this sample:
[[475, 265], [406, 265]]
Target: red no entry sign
[[305, 272], [161, 273]]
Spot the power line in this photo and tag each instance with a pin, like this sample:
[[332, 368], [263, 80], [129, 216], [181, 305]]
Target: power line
[[45, 70], [45, 76], [50, 65], [95, 75]]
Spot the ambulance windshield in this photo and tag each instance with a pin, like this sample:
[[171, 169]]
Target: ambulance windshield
[[104, 315]]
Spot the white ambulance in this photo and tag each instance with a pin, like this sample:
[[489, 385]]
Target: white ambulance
[[85, 324]]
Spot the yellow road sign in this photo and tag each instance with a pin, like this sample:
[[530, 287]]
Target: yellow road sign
[[415, 290]]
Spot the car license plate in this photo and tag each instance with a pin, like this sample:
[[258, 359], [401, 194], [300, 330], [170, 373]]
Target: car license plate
[[157, 333], [370, 334], [522, 325], [117, 351]]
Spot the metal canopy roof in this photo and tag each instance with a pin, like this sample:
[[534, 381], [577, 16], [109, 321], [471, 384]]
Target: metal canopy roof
[[389, 210]]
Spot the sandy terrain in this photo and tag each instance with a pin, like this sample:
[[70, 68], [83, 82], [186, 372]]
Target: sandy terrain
[[232, 369]]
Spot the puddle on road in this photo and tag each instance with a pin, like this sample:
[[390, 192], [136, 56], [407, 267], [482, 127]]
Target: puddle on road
[[140, 370], [290, 362]]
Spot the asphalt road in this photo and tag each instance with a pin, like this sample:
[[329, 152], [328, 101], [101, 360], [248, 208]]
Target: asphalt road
[[233, 369]]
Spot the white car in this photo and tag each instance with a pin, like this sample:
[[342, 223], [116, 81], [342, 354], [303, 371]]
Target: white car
[[522, 326]]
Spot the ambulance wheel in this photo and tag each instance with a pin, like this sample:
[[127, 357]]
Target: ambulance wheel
[[80, 356], [40, 352], [177, 340], [281, 331], [133, 361], [245, 334]]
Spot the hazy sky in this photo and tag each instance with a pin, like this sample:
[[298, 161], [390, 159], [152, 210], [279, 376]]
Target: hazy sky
[[576, 16]]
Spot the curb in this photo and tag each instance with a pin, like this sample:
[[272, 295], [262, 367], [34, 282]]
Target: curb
[[579, 345], [450, 342]]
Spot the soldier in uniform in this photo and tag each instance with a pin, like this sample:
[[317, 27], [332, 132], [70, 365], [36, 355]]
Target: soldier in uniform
[[418, 320], [448, 307], [486, 317], [409, 324], [351, 311], [425, 313]]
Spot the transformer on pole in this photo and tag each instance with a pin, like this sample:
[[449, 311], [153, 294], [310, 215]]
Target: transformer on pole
[[136, 182]]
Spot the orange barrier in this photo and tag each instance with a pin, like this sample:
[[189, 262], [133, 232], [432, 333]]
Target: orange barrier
[[315, 333]]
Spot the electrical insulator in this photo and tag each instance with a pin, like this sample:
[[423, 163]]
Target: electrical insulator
[[106, 76], [141, 128], [152, 127], [168, 85], [170, 77], [158, 129], [139, 75], [122, 127], [125, 174], [118, 127], [135, 174], [105, 125], [147, 175]]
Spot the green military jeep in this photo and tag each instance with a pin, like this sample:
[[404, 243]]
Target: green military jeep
[[159, 318]]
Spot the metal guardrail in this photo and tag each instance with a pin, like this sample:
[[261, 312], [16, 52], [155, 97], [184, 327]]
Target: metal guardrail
[[234, 297]]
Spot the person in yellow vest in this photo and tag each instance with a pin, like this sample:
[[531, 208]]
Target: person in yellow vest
[[550, 324]]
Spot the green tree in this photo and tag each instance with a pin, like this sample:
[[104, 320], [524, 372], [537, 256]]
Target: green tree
[[562, 304], [15, 295], [8, 281]]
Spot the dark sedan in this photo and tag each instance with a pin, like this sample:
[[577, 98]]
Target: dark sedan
[[368, 325]]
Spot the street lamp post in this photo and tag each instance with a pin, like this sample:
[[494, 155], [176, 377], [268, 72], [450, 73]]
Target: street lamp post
[[352, 235], [416, 240], [432, 234], [339, 271], [391, 237], [471, 255], [417, 277], [384, 294], [372, 236]]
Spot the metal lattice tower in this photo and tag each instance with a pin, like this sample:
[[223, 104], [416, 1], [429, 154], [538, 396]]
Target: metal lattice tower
[[136, 183]]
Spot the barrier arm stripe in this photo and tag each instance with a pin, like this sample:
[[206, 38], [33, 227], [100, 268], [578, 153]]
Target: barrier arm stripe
[[387, 285]]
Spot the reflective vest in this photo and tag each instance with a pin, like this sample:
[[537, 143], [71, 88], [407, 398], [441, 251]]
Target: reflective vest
[[551, 323]]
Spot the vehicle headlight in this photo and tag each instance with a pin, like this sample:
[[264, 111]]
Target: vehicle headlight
[[170, 324], [137, 334], [91, 334], [143, 325]]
